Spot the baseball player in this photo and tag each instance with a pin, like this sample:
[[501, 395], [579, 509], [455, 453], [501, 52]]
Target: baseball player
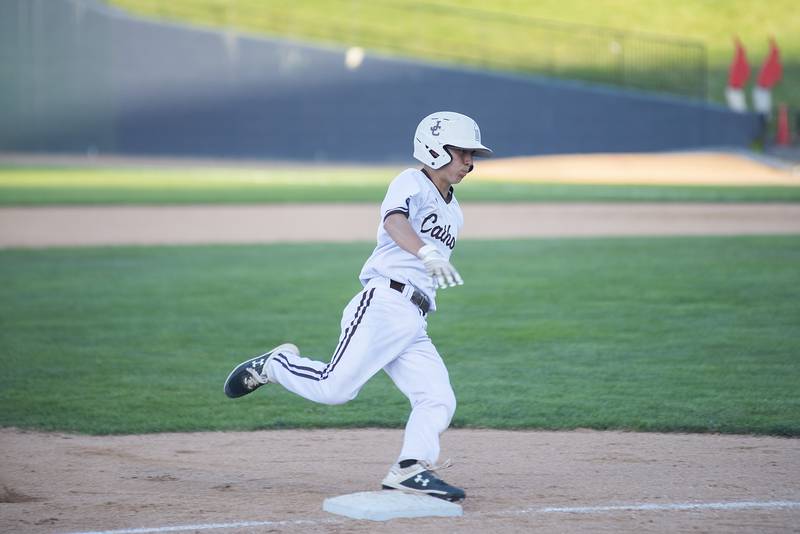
[[384, 325]]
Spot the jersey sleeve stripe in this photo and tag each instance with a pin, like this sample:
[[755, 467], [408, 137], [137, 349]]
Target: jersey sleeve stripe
[[400, 209], [403, 211]]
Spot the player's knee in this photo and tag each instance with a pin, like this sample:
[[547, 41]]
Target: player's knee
[[334, 396]]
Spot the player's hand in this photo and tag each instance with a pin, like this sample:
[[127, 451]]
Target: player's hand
[[442, 271]]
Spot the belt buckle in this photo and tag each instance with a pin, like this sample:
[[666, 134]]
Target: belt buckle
[[417, 297], [421, 301]]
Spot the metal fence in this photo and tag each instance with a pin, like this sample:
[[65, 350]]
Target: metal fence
[[473, 37]]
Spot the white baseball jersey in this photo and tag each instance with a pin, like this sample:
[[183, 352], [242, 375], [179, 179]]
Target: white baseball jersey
[[383, 329], [435, 219]]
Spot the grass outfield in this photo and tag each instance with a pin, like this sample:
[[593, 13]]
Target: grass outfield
[[655, 334], [43, 186]]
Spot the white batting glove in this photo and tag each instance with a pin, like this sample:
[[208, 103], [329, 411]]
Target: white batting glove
[[442, 271]]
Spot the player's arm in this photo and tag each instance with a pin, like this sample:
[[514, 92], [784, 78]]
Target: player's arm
[[401, 231]]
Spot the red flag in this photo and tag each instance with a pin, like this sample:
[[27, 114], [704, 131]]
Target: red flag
[[740, 70], [771, 70]]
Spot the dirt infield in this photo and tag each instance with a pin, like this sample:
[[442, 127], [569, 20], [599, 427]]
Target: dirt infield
[[276, 481], [147, 225], [674, 168]]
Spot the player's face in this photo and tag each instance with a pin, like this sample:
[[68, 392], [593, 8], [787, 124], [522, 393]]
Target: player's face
[[460, 166]]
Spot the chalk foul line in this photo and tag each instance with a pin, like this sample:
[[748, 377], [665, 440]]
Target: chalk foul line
[[636, 507], [215, 526], [665, 507]]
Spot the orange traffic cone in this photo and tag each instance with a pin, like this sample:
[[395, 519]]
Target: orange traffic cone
[[783, 136]]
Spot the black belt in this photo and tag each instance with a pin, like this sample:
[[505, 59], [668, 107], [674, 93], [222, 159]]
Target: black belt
[[418, 298]]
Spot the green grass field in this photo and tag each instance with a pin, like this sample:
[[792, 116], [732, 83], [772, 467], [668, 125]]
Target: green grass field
[[389, 24], [667, 334], [43, 186]]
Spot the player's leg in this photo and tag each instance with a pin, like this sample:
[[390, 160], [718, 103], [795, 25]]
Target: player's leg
[[376, 325], [422, 376]]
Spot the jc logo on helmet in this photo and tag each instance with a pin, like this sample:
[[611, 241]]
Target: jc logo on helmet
[[436, 127]]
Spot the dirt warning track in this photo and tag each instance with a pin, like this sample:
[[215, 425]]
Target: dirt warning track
[[149, 225]]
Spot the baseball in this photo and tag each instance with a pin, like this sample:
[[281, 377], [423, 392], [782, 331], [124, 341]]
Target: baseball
[[354, 57]]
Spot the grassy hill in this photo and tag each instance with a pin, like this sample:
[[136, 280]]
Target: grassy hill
[[460, 28]]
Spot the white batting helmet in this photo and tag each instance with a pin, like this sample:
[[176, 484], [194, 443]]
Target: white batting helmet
[[446, 128]]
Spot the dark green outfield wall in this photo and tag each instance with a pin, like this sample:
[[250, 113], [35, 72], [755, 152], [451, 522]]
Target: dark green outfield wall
[[77, 76]]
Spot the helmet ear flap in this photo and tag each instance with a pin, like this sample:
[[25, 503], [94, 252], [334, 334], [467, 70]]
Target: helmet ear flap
[[428, 151]]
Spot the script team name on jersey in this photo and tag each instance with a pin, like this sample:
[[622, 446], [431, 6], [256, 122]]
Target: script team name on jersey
[[442, 233]]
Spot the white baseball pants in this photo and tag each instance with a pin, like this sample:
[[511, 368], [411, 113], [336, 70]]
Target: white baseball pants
[[381, 329]]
